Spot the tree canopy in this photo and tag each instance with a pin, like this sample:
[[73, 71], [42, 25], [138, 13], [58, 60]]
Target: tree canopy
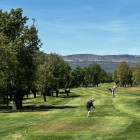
[[123, 72]]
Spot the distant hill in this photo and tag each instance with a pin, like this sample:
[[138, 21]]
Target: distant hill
[[107, 62]]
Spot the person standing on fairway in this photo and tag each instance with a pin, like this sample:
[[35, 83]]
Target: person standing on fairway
[[89, 104]]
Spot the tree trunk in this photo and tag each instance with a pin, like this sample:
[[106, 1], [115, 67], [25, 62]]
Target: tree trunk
[[17, 102], [48, 93], [131, 84], [14, 105], [11, 96], [4, 100], [52, 94], [27, 92], [44, 97], [57, 91], [19, 105], [34, 94], [113, 95], [67, 91], [7, 99]]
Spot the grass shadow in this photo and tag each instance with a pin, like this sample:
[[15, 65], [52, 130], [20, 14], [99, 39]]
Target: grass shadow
[[32, 108], [43, 107], [71, 96]]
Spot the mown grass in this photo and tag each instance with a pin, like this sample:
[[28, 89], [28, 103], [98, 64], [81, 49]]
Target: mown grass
[[65, 118]]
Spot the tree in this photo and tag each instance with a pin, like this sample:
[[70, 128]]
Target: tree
[[12, 24], [24, 44], [103, 76], [93, 73], [27, 46], [108, 78], [131, 76], [136, 74], [53, 75], [86, 77], [8, 62], [123, 72], [77, 77], [112, 89], [42, 74], [73, 78], [115, 78], [59, 70]]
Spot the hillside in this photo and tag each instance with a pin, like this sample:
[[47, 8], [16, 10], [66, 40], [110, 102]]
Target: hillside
[[107, 62]]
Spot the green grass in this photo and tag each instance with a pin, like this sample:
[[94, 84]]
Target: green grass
[[65, 118]]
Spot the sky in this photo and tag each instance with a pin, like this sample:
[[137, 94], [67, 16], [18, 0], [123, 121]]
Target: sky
[[67, 27]]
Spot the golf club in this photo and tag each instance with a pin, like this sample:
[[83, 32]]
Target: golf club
[[100, 112]]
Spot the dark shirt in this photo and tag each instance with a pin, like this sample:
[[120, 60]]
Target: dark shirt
[[89, 104]]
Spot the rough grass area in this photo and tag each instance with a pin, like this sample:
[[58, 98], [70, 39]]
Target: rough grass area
[[65, 118]]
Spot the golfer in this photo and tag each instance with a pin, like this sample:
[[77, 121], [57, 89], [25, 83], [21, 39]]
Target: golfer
[[89, 104]]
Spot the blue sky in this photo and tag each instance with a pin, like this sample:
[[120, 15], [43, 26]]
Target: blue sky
[[101, 27]]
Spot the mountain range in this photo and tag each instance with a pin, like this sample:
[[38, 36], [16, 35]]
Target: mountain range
[[107, 62]]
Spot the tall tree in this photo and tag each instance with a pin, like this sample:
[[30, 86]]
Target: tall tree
[[43, 75], [123, 72], [93, 73], [131, 76], [86, 77], [136, 74], [58, 69], [8, 62], [115, 78], [24, 44], [77, 77]]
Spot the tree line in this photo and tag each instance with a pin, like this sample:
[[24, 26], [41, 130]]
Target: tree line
[[126, 75], [24, 69]]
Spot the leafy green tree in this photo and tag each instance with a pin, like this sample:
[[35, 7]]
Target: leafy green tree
[[53, 74], [58, 69], [93, 73], [7, 63], [103, 76], [12, 24], [131, 76], [123, 72], [136, 74], [77, 77], [24, 44], [115, 78], [42, 75], [73, 78], [108, 78], [86, 76]]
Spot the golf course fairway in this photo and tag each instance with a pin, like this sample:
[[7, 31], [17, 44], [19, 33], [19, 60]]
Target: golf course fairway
[[65, 118]]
